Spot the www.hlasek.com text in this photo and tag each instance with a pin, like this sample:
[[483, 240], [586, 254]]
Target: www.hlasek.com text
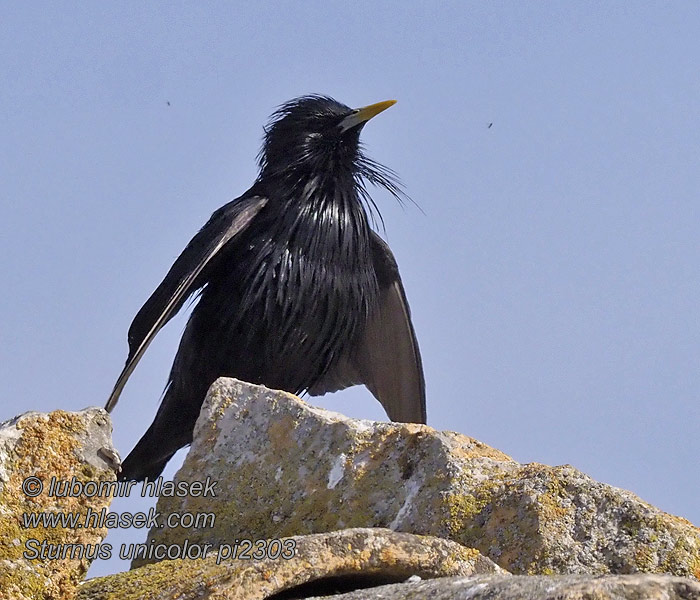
[[113, 520]]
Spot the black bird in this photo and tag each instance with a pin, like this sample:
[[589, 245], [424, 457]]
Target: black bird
[[297, 292]]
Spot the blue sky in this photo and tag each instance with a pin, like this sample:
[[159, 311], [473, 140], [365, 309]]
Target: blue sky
[[554, 277]]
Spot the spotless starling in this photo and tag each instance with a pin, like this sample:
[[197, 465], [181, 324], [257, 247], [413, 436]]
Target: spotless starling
[[297, 292]]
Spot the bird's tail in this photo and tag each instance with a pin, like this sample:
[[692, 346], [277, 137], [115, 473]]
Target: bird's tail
[[149, 457]]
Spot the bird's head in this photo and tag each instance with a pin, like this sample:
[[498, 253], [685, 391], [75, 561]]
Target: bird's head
[[315, 133], [317, 139]]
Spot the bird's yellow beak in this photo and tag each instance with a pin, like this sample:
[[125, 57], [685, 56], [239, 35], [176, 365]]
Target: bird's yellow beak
[[364, 114]]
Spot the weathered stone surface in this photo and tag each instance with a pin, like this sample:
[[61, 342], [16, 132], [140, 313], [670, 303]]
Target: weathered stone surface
[[519, 587], [286, 468], [62, 445], [352, 557]]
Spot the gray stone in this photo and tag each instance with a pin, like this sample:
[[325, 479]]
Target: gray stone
[[520, 587], [352, 557], [74, 447], [285, 468]]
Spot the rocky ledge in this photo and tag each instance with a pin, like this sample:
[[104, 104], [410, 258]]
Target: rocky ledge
[[285, 468], [309, 503]]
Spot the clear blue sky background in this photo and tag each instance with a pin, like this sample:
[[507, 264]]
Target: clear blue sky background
[[554, 278]]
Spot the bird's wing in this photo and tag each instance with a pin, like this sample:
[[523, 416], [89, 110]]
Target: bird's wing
[[387, 359], [182, 280]]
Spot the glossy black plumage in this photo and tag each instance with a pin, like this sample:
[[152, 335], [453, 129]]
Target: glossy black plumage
[[297, 292]]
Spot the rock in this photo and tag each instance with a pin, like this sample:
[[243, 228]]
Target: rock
[[64, 445], [520, 587], [321, 563], [283, 467]]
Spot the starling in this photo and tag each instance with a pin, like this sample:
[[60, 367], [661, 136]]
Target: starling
[[296, 291]]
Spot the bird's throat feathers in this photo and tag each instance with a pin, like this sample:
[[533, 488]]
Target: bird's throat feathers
[[327, 217]]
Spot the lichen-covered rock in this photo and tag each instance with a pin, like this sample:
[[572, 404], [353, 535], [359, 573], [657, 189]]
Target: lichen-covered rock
[[48, 560], [566, 587], [352, 557], [285, 468]]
